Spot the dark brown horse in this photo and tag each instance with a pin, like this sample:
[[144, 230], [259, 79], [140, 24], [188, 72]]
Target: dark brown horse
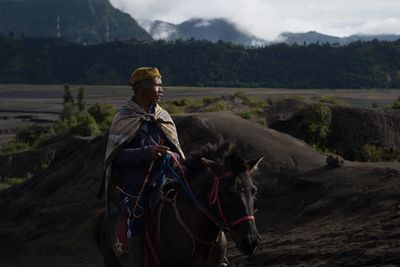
[[189, 235]]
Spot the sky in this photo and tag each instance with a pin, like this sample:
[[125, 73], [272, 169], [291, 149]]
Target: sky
[[268, 18]]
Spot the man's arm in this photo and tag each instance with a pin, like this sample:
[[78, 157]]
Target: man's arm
[[130, 157]]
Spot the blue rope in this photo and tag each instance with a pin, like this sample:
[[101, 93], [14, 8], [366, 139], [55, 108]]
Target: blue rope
[[220, 223]]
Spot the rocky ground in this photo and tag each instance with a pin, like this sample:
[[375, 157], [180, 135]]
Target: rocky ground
[[309, 214]]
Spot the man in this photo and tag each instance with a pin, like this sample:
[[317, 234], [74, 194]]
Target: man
[[141, 135]]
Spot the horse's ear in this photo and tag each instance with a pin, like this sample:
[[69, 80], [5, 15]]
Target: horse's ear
[[212, 165], [253, 163]]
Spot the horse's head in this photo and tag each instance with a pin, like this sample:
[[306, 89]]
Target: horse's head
[[233, 194]]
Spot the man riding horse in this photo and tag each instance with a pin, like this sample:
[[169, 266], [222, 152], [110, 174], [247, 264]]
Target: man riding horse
[[141, 134]]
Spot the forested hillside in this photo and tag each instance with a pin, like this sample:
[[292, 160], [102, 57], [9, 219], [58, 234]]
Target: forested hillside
[[374, 64], [81, 21]]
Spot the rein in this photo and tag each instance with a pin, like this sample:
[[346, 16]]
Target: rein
[[192, 235]]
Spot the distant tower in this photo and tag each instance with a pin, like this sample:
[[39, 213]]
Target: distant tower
[[58, 26], [107, 33]]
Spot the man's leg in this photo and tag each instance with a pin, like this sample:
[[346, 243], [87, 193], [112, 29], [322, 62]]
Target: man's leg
[[136, 251], [135, 235]]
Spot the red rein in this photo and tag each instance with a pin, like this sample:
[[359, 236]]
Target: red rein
[[214, 198]]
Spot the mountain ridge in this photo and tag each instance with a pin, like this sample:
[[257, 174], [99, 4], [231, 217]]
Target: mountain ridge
[[214, 30], [81, 21], [313, 37]]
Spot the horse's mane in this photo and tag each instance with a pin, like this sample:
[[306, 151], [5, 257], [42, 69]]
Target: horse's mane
[[224, 152]]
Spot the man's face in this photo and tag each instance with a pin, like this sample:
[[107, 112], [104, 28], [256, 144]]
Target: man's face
[[153, 91]]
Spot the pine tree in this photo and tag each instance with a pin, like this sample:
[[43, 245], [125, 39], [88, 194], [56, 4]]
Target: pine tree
[[67, 94], [69, 106], [81, 99]]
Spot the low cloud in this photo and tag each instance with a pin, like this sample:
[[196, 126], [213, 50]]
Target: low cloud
[[268, 18]]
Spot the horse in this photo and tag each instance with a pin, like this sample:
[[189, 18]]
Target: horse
[[218, 198]]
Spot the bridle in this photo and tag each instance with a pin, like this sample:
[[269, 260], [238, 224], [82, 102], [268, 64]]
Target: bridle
[[214, 200]]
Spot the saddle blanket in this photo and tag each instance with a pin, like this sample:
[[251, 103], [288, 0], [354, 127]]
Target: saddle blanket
[[121, 240]]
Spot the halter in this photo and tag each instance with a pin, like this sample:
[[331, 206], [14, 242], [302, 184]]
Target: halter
[[214, 198]]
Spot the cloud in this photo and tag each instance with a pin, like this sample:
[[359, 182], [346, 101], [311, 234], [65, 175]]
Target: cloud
[[268, 18]]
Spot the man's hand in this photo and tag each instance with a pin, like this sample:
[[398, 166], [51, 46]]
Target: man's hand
[[158, 150]]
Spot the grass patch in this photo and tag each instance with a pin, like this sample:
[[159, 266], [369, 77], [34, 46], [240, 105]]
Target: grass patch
[[246, 114], [84, 123], [396, 104], [252, 102], [217, 106], [373, 153], [6, 182], [327, 99]]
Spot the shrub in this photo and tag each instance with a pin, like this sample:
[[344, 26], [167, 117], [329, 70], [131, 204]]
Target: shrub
[[247, 114], [396, 104], [209, 100], [242, 96], [315, 124], [102, 112], [85, 125], [60, 126], [14, 146], [331, 100], [252, 102], [371, 152], [375, 105], [181, 102], [218, 106], [6, 182], [172, 109], [30, 135]]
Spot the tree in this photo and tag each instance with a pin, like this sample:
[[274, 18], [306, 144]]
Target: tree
[[81, 99], [68, 98], [69, 106]]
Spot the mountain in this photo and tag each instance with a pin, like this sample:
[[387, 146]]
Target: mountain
[[366, 38], [307, 38], [81, 21], [313, 37], [202, 29]]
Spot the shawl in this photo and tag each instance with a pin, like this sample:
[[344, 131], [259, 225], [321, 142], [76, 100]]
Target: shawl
[[125, 126]]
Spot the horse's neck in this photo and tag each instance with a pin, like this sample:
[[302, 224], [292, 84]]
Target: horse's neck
[[201, 186]]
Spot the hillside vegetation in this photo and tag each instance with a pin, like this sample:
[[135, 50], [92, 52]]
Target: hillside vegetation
[[372, 64]]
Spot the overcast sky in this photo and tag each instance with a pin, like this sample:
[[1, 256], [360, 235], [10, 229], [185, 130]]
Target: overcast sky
[[268, 18]]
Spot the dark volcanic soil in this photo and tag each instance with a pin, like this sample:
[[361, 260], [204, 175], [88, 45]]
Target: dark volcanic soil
[[309, 214]]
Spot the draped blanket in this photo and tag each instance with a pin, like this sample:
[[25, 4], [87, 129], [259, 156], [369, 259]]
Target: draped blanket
[[126, 125]]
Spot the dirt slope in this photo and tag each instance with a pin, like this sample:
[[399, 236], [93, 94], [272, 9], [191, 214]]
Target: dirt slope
[[309, 214]]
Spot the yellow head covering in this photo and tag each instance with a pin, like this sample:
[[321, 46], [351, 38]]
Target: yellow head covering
[[143, 73]]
